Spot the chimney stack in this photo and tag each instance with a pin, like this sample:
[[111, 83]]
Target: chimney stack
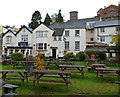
[[73, 15]]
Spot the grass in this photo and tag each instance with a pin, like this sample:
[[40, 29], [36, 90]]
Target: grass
[[89, 85]]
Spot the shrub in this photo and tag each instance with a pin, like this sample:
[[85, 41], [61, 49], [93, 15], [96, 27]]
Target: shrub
[[29, 58], [17, 56], [40, 55], [81, 56], [101, 55], [90, 52], [70, 56]]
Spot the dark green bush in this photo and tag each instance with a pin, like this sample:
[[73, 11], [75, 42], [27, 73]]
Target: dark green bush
[[90, 52], [17, 56], [101, 55], [81, 56], [70, 56]]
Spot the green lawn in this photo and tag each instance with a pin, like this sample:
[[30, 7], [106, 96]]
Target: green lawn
[[89, 85]]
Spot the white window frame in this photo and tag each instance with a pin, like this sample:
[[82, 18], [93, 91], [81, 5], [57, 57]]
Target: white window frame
[[77, 33], [59, 38], [8, 39], [102, 39], [24, 38], [102, 30], [77, 45], [67, 33], [67, 45], [55, 38], [41, 34], [41, 46]]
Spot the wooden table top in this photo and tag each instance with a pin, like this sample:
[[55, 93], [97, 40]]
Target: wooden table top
[[113, 69], [12, 71], [51, 71], [71, 66], [98, 64]]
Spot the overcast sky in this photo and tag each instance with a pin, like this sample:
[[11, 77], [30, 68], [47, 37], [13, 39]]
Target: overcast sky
[[19, 12]]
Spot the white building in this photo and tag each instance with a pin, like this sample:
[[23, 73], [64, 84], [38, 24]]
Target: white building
[[50, 42], [104, 31]]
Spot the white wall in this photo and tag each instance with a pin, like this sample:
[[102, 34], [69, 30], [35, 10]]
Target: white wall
[[107, 34]]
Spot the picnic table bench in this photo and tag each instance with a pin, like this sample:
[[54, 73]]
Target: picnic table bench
[[77, 67], [21, 75], [94, 66], [106, 72], [22, 63], [38, 74]]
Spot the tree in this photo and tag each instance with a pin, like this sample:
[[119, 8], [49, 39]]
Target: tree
[[47, 20], [59, 17], [116, 40], [36, 20]]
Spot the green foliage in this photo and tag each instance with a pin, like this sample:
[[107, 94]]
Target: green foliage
[[47, 20], [69, 56], [101, 55], [60, 17], [36, 20], [82, 56], [29, 58], [90, 52], [17, 56], [40, 55], [54, 16]]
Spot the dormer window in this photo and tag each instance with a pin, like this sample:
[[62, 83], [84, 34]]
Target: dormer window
[[8, 39]]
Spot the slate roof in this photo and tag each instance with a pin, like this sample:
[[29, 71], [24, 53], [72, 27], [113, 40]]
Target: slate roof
[[107, 23], [9, 30], [24, 27], [58, 32], [74, 24]]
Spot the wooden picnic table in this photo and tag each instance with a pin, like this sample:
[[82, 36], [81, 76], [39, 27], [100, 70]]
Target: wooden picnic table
[[94, 66], [80, 68], [21, 75], [105, 72], [38, 74], [22, 63]]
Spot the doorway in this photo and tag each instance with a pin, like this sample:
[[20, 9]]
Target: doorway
[[54, 53]]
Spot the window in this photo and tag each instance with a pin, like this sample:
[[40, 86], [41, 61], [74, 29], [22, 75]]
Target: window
[[77, 33], [118, 28], [102, 39], [55, 38], [24, 38], [67, 33], [97, 30], [40, 34], [91, 39], [66, 45], [102, 30], [41, 46], [59, 38], [77, 45], [112, 13], [8, 39]]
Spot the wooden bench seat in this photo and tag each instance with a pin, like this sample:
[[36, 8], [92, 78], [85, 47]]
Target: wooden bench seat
[[44, 80], [54, 76], [107, 75]]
